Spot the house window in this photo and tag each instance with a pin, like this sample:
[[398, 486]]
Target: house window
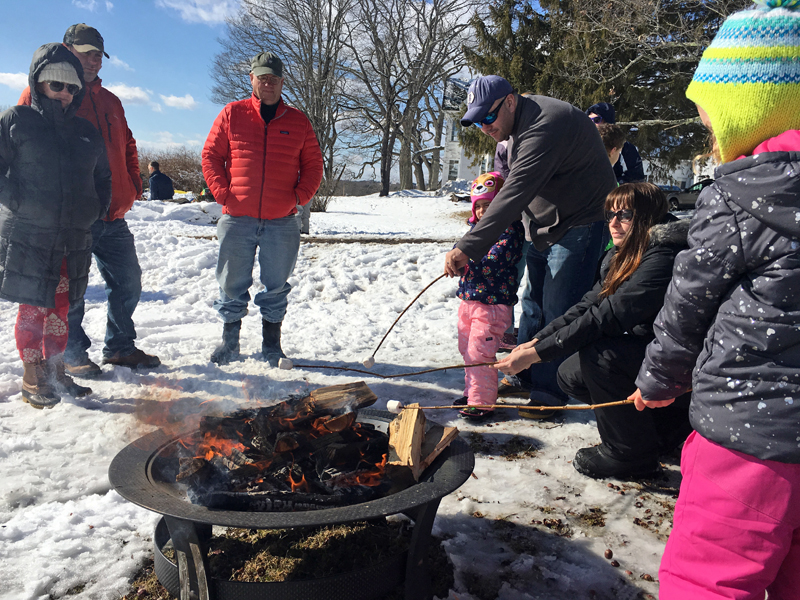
[[454, 131], [452, 172]]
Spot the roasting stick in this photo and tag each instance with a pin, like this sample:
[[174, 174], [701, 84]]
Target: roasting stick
[[395, 406], [369, 362], [287, 364]]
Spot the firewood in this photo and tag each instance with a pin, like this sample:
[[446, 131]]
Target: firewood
[[437, 438], [336, 398], [406, 434]]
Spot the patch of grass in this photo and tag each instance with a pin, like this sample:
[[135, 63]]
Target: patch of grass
[[594, 517], [518, 447], [479, 444], [285, 555]]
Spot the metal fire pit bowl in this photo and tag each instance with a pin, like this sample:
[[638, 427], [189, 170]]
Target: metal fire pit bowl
[[139, 475]]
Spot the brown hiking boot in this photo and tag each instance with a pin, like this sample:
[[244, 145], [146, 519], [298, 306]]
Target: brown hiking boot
[[83, 368], [36, 388], [63, 383], [135, 360]]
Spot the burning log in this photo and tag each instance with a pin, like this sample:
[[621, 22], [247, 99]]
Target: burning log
[[311, 446]]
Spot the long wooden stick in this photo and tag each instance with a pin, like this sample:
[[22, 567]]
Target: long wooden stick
[[525, 406], [404, 312], [487, 364]]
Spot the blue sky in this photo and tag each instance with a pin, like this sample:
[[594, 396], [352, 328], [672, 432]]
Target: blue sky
[[161, 53]]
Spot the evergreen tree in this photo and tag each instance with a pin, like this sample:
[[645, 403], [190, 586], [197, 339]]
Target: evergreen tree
[[638, 55]]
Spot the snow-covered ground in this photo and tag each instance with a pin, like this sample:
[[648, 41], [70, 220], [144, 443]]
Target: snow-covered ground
[[524, 527]]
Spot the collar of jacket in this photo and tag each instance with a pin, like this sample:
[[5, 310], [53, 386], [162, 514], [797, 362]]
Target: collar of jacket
[[257, 106]]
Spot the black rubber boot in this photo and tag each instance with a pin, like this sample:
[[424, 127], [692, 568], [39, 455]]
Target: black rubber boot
[[271, 344], [228, 351], [599, 462], [63, 383]]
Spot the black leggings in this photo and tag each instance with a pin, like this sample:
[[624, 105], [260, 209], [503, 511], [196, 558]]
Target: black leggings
[[606, 371]]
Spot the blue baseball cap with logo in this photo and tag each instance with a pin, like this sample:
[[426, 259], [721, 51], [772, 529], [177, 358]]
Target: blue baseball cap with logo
[[483, 92]]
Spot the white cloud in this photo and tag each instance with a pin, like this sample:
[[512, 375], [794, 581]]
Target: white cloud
[[130, 94], [185, 102], [117, 62], [202, 11], [92, 5], [133, 95], [16, 81], [164, 140]]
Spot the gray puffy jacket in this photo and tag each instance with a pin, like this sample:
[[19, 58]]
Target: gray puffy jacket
[[54, 184], [730, 326]]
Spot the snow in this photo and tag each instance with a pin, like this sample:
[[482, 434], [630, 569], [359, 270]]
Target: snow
[[66, 532]]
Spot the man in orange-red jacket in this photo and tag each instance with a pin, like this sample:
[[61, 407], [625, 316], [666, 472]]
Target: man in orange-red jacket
[[112, 242], [261, 160]]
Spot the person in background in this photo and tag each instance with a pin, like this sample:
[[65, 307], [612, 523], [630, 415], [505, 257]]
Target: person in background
[[604, 336], [160, 184], [629, 167], [55, 184], [113, 245], [248, 136], [729, 327], [559, 175], [488, 290], [613, 139]]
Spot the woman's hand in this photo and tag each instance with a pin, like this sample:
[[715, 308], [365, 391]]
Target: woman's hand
[[519, 359], [524, 346], [454, 262], [640, 403]]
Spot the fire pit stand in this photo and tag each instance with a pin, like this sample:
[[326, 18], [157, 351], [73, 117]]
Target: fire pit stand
[[140, 474]]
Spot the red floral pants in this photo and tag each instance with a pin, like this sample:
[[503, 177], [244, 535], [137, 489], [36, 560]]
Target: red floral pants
[[42, 332]]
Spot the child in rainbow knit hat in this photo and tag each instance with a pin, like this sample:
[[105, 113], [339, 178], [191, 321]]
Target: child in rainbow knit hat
[[488, 290], [730, 326]]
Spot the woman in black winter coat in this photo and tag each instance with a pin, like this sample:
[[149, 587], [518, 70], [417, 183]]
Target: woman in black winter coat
[[606, 333], [55, 183]]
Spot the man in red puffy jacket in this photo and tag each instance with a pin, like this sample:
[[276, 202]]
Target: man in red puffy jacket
[[261, 159], [112, 241]]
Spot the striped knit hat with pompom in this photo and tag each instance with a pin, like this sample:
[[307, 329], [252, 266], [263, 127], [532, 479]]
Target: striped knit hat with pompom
[[748, 80]]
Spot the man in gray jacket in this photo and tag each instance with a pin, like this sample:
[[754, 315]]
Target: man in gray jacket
[[559, 176]]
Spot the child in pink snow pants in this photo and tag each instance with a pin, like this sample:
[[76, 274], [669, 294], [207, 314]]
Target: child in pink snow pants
[[487, 289], [729, 326]]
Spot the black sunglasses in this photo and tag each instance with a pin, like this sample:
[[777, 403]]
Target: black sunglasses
[[623, 216], [492, 116], [57, 86], [596, 119]]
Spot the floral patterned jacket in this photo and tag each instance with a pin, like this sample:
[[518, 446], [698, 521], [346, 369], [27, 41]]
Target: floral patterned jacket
[[494, 279]]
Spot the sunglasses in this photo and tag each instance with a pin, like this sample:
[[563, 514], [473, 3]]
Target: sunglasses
[[492, 116], [623, 216], [57, 86], [596, 119]]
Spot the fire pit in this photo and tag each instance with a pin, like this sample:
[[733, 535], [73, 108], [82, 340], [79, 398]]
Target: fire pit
[[140, 475]]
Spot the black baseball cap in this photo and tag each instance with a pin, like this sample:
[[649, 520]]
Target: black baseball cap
[[84, 38]]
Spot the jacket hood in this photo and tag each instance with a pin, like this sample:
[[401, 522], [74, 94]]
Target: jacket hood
[[674, 232], [50, 54], [765, 185]]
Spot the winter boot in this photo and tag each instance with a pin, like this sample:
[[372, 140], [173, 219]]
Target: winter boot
[[228, 350], [63, 383], [36, 389], [271, 344]]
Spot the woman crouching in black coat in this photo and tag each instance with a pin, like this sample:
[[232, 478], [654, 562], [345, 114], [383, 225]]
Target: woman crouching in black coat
[[607, 332], [54, 183]]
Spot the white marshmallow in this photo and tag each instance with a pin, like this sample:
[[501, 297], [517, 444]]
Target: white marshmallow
[[369, 362], [286, 364], [394, 406]]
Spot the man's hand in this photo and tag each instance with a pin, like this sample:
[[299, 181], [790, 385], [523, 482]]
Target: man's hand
[[640, 403], [524, 346], [518, 360], [454, 262]]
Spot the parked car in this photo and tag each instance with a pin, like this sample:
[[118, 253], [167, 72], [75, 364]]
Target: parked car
[[669, 188], [688, 197]]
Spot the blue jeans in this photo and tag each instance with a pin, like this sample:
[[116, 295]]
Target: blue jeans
[[523, 285], [277, 242], [558, 277], [115, 256]]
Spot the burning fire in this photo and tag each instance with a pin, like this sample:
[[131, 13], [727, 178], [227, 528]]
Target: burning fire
[[215, 444]]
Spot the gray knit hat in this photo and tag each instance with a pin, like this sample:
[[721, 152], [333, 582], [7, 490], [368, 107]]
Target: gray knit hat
[[60, 71]]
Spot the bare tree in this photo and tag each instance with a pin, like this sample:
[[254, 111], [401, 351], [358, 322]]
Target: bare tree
[[308, 35], [182, 164], [400, 51]]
